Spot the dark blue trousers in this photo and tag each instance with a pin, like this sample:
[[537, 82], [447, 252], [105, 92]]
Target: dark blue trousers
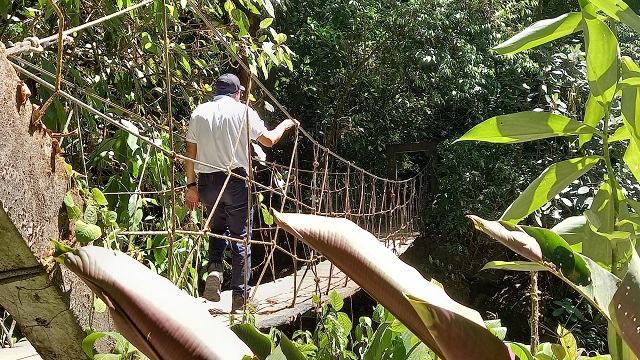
[[229, 219]]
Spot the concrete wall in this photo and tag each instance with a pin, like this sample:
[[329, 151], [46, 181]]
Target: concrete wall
[[50, 304]]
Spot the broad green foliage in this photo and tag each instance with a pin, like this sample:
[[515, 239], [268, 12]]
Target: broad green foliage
[[553, 180], [123, 349], [607, 230], [541, 32], [525, 126]]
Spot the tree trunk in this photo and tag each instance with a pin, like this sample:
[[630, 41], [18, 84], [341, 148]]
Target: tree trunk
[[50, 304]]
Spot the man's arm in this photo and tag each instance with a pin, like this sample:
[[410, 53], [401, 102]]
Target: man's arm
[[271, 137], [191, 199]]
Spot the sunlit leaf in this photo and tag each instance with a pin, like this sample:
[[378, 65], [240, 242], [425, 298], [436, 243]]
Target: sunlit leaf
[[525, 126], [553, 180], [541, 32], [240, 18], [593, 113], [568, 341], [266, 23], [521, 351], [258, 342], [619, 10], [602, 59], [624, 308], [621, 133], [60, 248], [87, 232], [98, 196], [572, 229], [269, 7], [514, 265], [336, 300], [290, 350], [91, 215]]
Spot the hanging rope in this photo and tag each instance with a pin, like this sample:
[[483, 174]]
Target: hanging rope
[[325, 184]]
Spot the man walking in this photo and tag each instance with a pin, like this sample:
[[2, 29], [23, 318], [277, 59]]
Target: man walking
[[217, 136]]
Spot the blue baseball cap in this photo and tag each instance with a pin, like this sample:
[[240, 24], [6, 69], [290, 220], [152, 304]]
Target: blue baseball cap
[[228, 84]]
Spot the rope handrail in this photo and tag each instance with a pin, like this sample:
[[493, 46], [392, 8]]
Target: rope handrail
[[330, 186]]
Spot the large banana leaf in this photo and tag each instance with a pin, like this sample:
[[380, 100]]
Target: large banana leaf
[[624, 308], [553, 180], [387, 279], [619, 10], [525, 126], [152, 313], [602, 58], [541, 32]]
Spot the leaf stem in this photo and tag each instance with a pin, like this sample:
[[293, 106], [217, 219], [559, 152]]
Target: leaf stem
[[612, 183]]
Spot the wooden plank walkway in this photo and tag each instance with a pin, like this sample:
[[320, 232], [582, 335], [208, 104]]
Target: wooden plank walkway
[[275, 299]]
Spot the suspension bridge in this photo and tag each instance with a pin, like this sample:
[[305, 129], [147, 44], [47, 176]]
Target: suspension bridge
[[313, 180]]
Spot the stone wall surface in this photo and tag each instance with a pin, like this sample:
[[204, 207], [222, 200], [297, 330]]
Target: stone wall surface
[[50, 304]]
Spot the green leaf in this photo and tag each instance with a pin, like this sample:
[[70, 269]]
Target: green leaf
[[5, 7], [521, 351], [335, 300], [541, 32], [240, 18], [559, 252], [266, 22], [269, 7], [568, 341], [266, 215], [345, 322], [572, 229], [624, 308], [397, 326], [618, 348], [515, 266], [87, 232], [112, 218], [91, 215], [89, 341], [525, 126], [290, 350], [98, 196], [74, 212], [258, 342], [594, 112], [553, 180], [60, 248], [99, 305], [601, 216], [630, 106], [68, 199], [280, 38], [621, 133], [619, 10], [602, 59]]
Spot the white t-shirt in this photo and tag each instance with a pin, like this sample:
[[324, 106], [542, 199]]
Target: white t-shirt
[[215, 127]]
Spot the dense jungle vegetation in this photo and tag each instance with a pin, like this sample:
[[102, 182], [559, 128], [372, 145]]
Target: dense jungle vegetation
[[359, 75]]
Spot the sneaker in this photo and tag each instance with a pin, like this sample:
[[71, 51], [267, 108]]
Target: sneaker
[[237, 303], [213, 283]]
